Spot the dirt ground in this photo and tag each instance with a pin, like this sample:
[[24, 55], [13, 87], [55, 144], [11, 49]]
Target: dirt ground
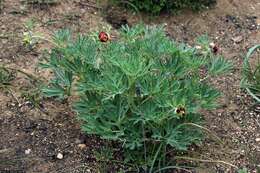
[[46, 138]]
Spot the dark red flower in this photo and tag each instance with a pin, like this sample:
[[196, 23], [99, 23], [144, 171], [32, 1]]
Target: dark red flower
[[180, 111], [103, 37], [214, 48]]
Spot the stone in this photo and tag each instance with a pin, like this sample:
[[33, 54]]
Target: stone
[[82, 146], [28, 151], [59, 156], [237, 39]]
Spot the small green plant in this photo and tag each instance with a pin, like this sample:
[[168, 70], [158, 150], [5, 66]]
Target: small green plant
[[31, 38], [6, 76], [28, 39], [34, 96], [251, 75], [156, 6], [244, 170], [41, 2], [142, 90], [103, 157]]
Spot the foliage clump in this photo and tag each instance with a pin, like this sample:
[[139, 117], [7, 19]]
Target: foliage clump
[[6, 76], [48, 2], [156, 6], [251, 75], [143, 90]]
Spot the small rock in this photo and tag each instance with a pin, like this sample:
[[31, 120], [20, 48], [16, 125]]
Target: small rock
[[257, 139], [28, 151], [212, 44], [198, 47], [82, 146], [237, 39], [59, 156]]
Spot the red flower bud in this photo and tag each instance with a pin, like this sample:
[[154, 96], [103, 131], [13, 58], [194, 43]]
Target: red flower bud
[[103, 37], [214, 48]]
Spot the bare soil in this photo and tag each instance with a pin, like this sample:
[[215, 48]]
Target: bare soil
[[32, 136]]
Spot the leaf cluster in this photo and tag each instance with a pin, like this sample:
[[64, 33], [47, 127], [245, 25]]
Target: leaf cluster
[[156, 6], [251, 75], [131, 89], [41, 2], [6, 76]]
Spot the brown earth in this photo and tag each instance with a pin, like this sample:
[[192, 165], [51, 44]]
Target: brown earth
[[32, 136]]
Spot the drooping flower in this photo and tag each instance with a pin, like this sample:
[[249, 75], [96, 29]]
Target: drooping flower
[[103, 36], [180, 111], [214, 48]]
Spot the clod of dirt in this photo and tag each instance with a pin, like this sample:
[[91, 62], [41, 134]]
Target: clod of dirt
[[82, 146], [237, 39], [234, 20]]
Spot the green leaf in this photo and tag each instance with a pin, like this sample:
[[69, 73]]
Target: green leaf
[[219, 66], [251, 77], [130, 89]]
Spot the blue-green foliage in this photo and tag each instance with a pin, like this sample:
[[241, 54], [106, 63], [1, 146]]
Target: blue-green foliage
[[131, 88], [251, 74], [156, 6]]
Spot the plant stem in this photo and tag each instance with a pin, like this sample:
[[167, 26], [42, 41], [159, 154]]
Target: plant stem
[[173, 167], [45, 39], [21, 71], [208, 161], [155, 157], [252, 94], [203, 128], [145, 151]]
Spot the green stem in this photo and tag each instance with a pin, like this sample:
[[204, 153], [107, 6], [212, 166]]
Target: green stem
[[145, 151], [173, 167], [121, 162], [20, 71], [155, 157], [45, 39], [252, 94], [208, 161], [203, 128]]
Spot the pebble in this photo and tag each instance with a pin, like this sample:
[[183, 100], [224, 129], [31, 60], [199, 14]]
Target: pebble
[[257, 139], [59, 156], [82, 146], [198, 47], [237, 39], [28, 151], [212, 44]]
